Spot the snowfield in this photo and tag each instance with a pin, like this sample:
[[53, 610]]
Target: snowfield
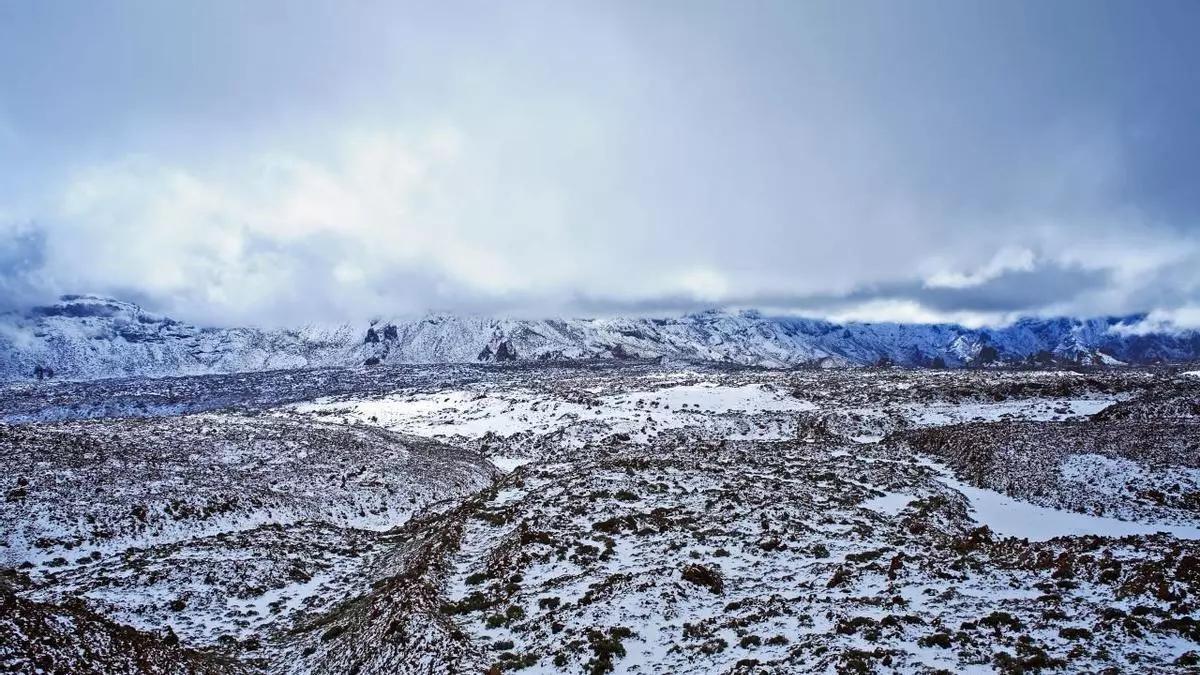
[[595, 518], [938, 415], [1015, 518], [642, 415]]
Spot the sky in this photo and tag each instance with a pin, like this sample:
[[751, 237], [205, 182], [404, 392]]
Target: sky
[[278, 163]]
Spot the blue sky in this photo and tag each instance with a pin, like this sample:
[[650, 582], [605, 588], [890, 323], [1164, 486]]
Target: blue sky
[[272, 162]]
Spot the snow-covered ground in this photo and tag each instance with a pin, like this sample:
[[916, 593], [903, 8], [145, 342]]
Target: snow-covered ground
[[941, 414], [641, 414], [635, 519], [1015, 518]]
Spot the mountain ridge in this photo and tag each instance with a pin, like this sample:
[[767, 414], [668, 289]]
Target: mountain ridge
[[89, 337]]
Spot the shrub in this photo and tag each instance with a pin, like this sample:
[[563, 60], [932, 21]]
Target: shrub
[[702, 575]]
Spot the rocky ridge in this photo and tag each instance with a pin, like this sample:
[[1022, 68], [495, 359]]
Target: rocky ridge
[[86, 337]]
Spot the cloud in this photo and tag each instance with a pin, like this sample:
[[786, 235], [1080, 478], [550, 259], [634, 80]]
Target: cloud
[[1005, 260], [531, 158], [1163, 321], [909, 311], [1030, 287], [274, 231], [22, 259], [379, 222], [386, 222]]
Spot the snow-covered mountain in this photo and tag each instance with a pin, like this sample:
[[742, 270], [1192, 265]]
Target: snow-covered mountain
[[83, 337]]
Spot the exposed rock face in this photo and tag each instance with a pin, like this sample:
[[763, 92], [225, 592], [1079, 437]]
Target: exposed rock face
[[506, 352]]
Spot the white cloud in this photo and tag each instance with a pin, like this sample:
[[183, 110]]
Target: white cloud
[[387, 222], [909, 311], [546, 157], [1163, 321], [1007, 259], [245, 235], [379, 222], [703, 283]]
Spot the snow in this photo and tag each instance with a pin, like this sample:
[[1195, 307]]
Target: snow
[[94, 337], [508, 464], [1014, 518], [941, 414], [714, 398], [689, 499], [1106, 474], [889, 504], [477, 413]]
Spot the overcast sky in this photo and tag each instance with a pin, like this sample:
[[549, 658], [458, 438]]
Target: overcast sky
[[283, 162]]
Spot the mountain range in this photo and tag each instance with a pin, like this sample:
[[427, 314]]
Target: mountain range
[[88, 337]]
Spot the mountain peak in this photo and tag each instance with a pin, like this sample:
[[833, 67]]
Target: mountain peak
[[85, 305]]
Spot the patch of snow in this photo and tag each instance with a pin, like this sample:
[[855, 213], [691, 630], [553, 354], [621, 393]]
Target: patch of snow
[[867, 438], [508, 464], [1109, 475], [474, 414], [1014, 518], [1043, 410], [889, 504]]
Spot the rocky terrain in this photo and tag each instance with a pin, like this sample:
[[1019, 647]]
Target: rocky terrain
[[603, 517], [87, 337]]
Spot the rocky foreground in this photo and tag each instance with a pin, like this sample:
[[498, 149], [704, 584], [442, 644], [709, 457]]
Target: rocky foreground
[[611, 519]]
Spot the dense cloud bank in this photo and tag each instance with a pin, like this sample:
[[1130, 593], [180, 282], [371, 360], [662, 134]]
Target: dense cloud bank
[[916, 162]]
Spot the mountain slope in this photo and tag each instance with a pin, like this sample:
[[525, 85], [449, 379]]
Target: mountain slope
[[83, 337]]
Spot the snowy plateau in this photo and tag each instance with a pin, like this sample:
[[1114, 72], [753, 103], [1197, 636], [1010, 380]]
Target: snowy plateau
[[618, 496]]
